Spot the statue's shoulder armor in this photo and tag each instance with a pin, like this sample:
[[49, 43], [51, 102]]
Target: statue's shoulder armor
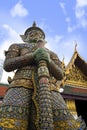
[[17, 47], [12, 50], [12, 47]]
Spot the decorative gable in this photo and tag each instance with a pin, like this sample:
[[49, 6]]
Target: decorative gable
[[76, 77]]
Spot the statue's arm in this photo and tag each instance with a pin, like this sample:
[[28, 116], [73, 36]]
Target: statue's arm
[[14, 60], [55, 67]]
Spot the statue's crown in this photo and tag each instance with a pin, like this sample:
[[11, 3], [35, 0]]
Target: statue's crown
[[33, 34]]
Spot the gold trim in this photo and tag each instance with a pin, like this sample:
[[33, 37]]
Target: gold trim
[[27, 83], [36, 105], [12, 124], [72, 107], [65, 124], [74, 83], [69, 66]]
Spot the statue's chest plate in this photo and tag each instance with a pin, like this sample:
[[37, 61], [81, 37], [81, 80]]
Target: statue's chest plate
[[27, 48]]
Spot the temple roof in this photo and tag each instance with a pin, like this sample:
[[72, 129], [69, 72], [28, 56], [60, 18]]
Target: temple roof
[[78, 61], [81, 64], [3, 89], [75, 80]]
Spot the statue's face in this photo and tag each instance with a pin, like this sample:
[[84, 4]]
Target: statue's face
[[34, 35]]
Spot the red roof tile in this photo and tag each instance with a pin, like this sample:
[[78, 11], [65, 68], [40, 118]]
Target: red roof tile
[[3, 90]]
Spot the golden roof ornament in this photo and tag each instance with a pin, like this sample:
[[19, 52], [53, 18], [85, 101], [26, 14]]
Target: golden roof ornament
[[75, 46], [63, 63], [33, 34]]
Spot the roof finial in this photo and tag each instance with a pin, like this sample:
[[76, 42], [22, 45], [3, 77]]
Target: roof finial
[[63, 58], [34, 24], [63, 63], [75, 45]]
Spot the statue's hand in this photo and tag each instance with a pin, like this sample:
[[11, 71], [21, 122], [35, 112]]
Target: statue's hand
[[41, 54]]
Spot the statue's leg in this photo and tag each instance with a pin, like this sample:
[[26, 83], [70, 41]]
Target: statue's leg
[[15, 109], [63, 119]]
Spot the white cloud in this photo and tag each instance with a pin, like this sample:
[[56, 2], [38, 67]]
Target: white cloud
[[12, 33], [67, 19], [58, 38], [19, 10], [80, 13], [81, 3], [62, 5], [53, 41], [72, 28], [80, 16], [63, 47]]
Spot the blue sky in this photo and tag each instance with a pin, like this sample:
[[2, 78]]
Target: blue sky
[[63, 21]]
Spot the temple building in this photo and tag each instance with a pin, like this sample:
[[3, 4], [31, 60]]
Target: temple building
[[75, 86]]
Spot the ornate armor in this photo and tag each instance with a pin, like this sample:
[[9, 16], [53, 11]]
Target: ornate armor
[[33, 102]]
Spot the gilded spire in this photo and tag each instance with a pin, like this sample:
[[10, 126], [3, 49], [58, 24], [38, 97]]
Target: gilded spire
[[75, 45], [63, 63]]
